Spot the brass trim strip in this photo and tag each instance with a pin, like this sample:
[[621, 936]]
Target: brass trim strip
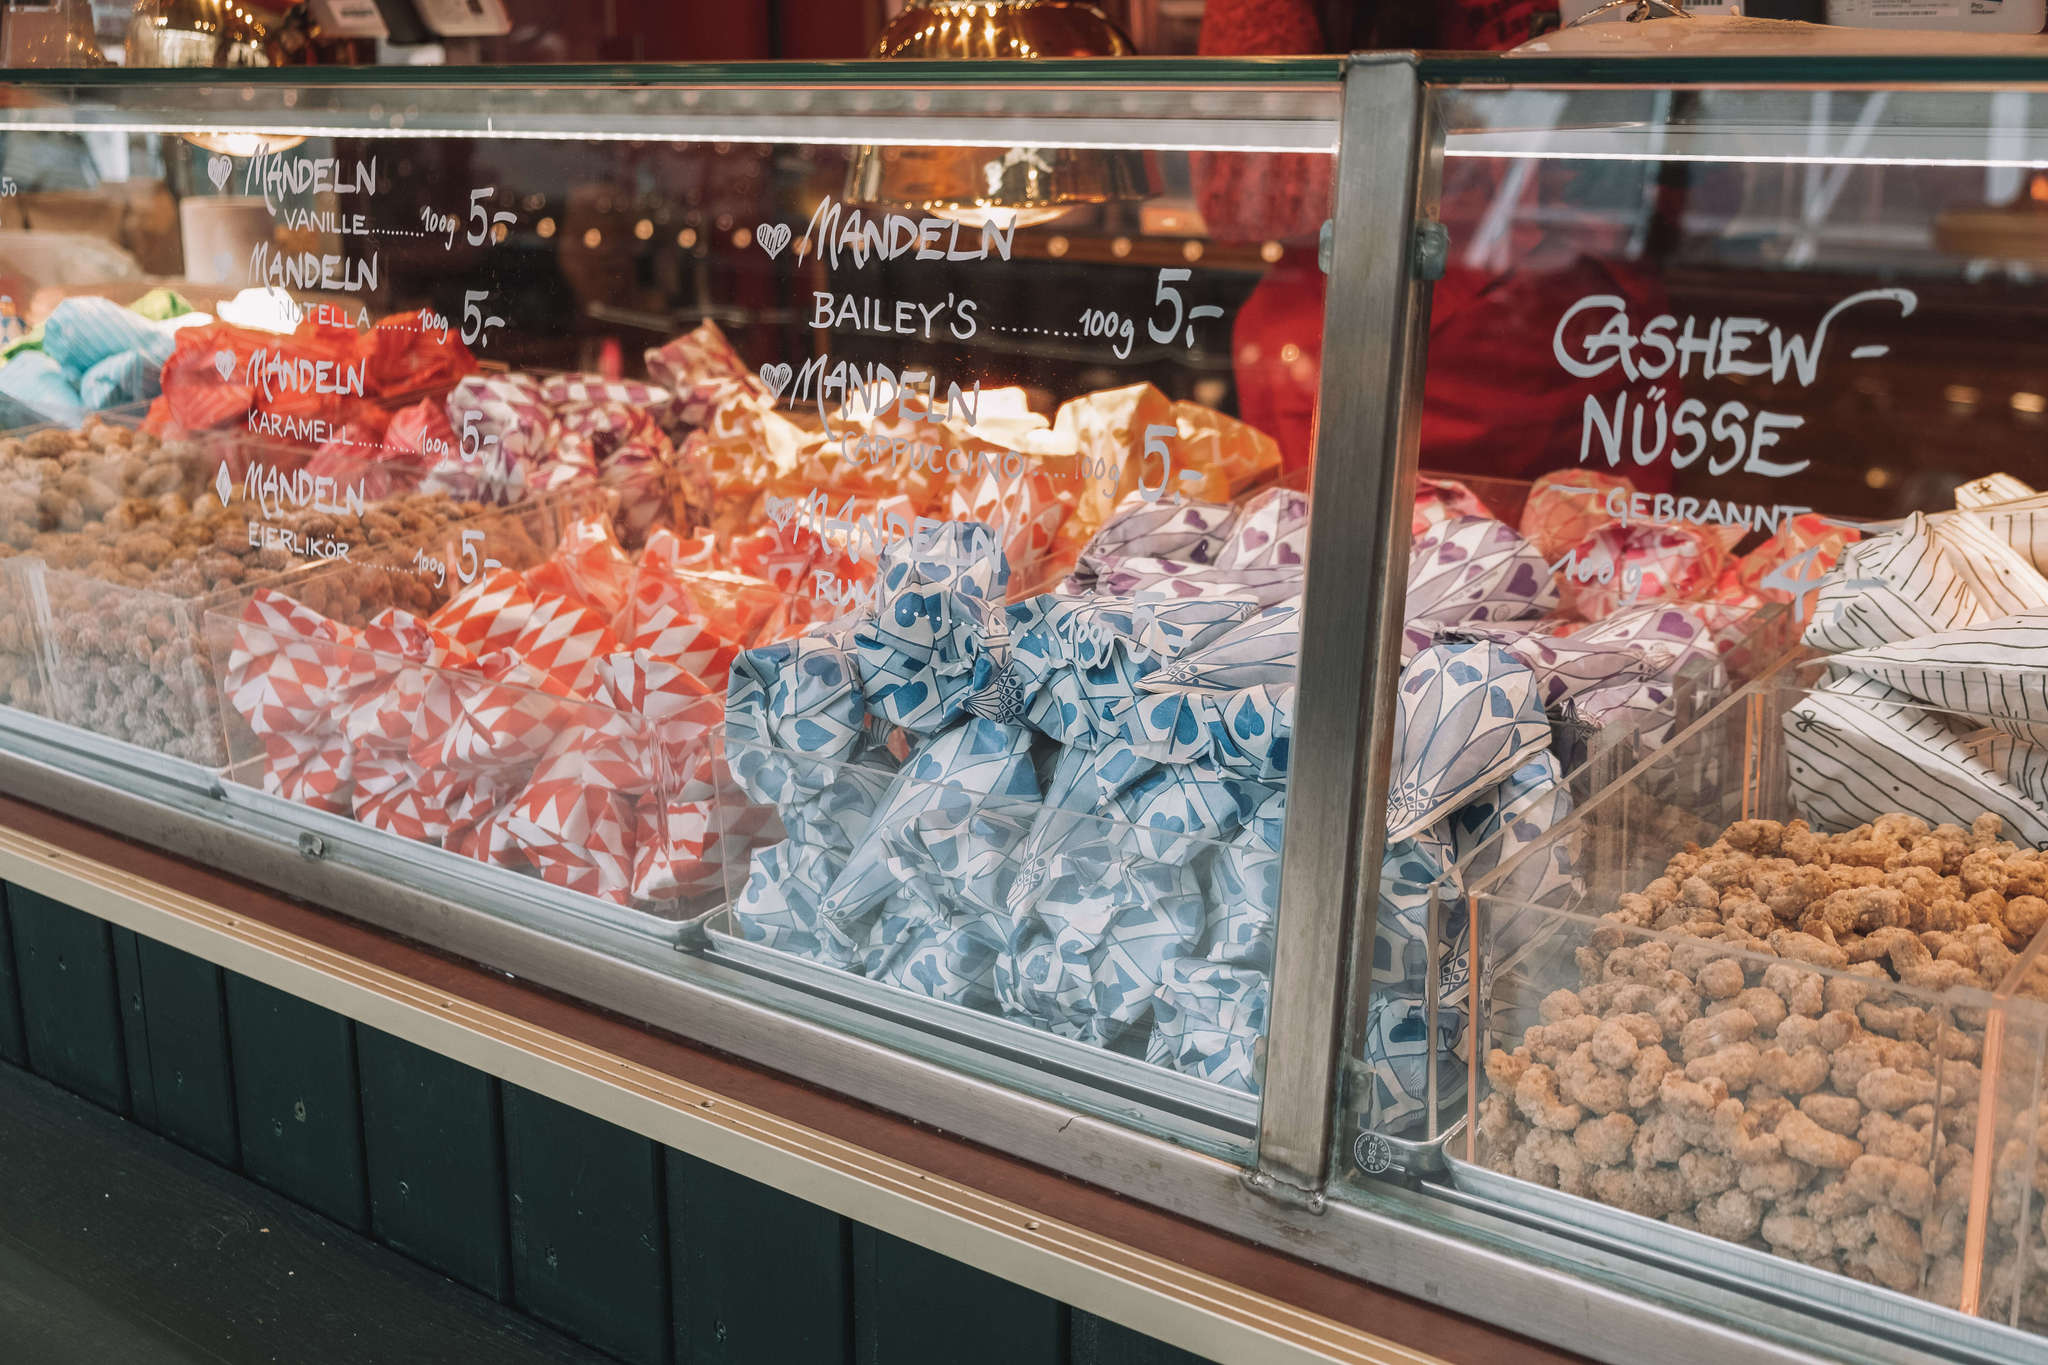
[[1146, 1293]]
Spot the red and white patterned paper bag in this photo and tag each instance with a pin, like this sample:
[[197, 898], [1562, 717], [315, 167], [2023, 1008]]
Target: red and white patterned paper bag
[[488, 615], [697, 620], [292, 671], [492, 720], [564, 640], [393, 794], [384, 719], [574, 819], [687, 836], [316, 773], [588, 567], [476, 816]]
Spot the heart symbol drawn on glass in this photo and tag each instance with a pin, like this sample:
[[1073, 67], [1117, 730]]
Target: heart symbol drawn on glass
[[772, 237], [224, 361], [218, 169], [776, 377], [781, 511]]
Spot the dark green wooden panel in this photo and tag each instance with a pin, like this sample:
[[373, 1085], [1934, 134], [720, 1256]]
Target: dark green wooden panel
[[296, 1107], [910, 1304], [1098, 1341], [134, 1028], [13, 1047], [436, 1160], [185, 1033], [71, 1020], [589, 1245], [725, 1230]]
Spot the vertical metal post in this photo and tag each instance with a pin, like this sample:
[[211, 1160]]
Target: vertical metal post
[[1432, 996], [1375, 323]]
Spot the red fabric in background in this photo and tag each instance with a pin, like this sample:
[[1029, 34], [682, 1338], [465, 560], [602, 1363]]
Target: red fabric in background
[[1495, 401], [1494, 25]]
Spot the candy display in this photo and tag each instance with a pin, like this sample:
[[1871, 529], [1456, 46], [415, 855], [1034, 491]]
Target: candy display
[[90, 353], [561, 719], [1933, 700], [302, 386], [1064, 809], [1790, 1038], [1767, 1044], [116, 604], [1512, 655], [56, 480]]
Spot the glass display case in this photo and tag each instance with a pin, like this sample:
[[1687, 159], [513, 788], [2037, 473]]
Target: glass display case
[[823, 534], [1706, 923], [1291, 611]]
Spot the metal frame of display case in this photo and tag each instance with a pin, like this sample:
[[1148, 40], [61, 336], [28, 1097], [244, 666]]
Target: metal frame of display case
[[1544, 1280]]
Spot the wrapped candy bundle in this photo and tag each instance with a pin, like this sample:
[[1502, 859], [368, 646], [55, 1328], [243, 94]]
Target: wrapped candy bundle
[[489, 614], [318, 774], [736, 458], [691, 818], [1473, 570], [574, 821], [404, 356], [291, 672], [1441, 500], [1106, 432], [685, 841], [215, 374], [503, 433], [392, 795], [515, 726], [393, 790], [588, 567], [1158, 550], [1230, 455], [1619, 566], [699, 619], [1566, 507], [493, 719], [904, 752], [703, 372], [418, 435], [613, 428], [1935, 704]]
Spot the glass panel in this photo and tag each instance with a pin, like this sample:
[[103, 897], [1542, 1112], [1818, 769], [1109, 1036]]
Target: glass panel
[[1743, 995], [1714, 376], [942, 449]]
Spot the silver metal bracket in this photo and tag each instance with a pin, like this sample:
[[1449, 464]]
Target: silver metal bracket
[[1326, 243], [1283, 1192], [1402, 1159], [1432, 251]]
